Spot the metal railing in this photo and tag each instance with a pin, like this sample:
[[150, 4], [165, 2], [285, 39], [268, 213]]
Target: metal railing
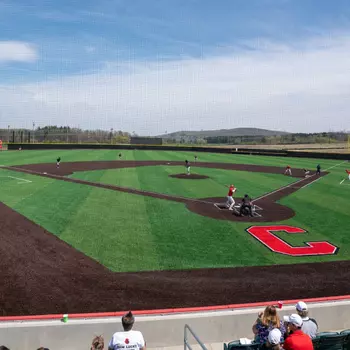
[[194, 335]]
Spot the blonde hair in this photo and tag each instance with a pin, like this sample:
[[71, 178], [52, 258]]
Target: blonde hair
[[270, 317]]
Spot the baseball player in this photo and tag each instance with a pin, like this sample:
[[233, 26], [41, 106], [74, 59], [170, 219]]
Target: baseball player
[[318, 169], [195, 158], [58, 162], [120, 156], [246, 206], [230, 201], [306, 172], [348, 172], [188, 167], [288, 171]]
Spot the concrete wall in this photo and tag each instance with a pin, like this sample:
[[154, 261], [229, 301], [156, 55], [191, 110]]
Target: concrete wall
[[159, 331]]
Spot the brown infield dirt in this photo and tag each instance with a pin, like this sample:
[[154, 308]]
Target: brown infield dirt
[[189, 176], [41, 274], [272, 211]]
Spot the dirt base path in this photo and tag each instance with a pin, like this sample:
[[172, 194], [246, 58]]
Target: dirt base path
[[270, 210], [68, 168], [189, 177], [40, 274]]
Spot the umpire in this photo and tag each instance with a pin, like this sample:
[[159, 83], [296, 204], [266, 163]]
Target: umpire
[[246, 206]]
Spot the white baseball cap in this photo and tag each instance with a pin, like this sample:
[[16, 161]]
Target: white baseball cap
[[301, 306], [294, 319], [274, 337]]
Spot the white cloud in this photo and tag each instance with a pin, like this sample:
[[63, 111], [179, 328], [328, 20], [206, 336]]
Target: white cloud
[[17, 51], [304, 87]]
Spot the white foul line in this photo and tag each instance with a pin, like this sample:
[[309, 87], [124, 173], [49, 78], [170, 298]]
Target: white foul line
[[336, 165], [19, 179], [319, 178], [280, 189]]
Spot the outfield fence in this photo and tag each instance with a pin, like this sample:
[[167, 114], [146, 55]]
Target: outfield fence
[[197, 149]]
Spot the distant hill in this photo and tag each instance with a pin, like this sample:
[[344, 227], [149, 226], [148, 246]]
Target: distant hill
[[223, 132]]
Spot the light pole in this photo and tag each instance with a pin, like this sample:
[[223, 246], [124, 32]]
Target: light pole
[[8, 133], [111, 135], [33, 132]]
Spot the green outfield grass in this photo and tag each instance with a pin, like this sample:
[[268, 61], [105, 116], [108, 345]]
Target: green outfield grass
[[156, 179], [128, 232]]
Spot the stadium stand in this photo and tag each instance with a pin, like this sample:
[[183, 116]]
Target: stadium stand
[[323, 341], [213, 326]]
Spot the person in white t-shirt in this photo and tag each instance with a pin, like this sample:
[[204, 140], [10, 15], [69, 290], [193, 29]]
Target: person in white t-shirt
[[310, 326], [129, 339]]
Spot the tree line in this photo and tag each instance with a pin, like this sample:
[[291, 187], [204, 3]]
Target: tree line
[[64, 134], [297, 138]]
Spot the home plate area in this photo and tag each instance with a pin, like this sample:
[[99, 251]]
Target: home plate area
[[256, 210]]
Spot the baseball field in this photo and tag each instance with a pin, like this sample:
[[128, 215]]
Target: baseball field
[[103, 233]]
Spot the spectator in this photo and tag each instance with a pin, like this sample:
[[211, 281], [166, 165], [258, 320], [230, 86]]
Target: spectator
[[273, 340], [310, 326], [3, 347], [129, 338], [98, 343], [43, 348], [267, 321], [297, 339]]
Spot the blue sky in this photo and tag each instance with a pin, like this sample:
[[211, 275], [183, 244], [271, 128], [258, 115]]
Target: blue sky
[[158, 65]]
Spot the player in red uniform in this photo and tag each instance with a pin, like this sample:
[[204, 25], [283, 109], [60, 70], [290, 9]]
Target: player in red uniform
[[348, 172], [288, 171], [230, 201]]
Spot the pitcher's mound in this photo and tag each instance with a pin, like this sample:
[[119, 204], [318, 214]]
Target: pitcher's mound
[[189, 177]]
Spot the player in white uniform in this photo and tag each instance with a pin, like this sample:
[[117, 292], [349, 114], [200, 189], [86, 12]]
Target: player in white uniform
[[230, 201], [288, 171], [188, 167]]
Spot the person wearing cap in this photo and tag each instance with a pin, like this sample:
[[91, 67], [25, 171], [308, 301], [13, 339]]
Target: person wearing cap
[[265, 323], [310, 326], [128, 339], [273, 340], [188, 167], [230, 201], [297, 339], [246, 206]]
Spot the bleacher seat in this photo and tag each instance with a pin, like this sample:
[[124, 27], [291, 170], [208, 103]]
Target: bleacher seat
[[323, 341], [329, 341], [235, 345], [347, 339]]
